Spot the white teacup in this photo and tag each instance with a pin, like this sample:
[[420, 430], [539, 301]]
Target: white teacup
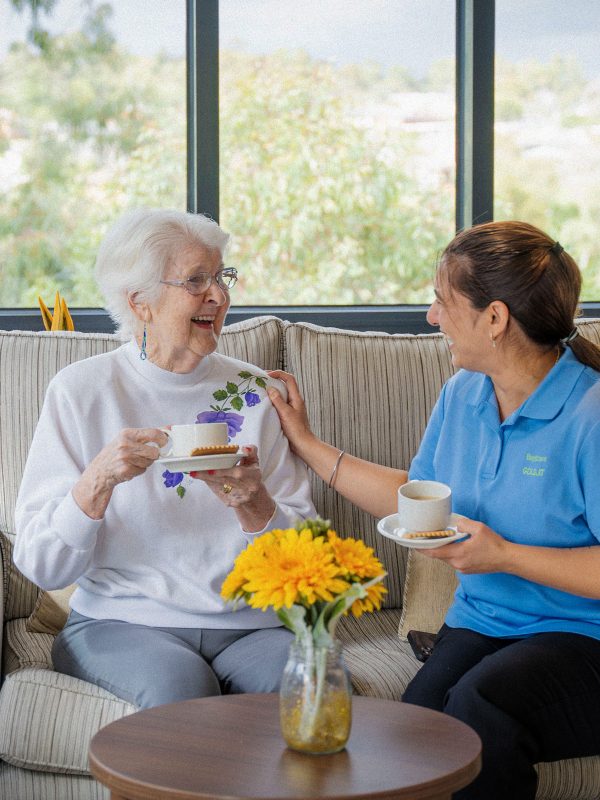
[[183, 439], [424, 506]]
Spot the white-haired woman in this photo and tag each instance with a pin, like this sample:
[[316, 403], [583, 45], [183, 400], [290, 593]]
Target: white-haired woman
[[147, 548]]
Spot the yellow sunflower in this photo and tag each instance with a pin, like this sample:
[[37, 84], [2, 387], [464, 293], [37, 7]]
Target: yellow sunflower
[[245, 562], [372, 602], [285, 568], [308, 566], [296, 569], [354, 557]]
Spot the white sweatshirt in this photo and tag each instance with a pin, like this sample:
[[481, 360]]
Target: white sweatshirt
[[166, 542]]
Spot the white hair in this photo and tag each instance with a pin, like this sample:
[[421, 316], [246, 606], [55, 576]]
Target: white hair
[[135, 252]]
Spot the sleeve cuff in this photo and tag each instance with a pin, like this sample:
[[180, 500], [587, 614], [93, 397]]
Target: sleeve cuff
[[279, 519], [73, 525]]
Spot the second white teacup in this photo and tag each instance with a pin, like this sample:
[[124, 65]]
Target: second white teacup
[[183, 439], [424, 505]]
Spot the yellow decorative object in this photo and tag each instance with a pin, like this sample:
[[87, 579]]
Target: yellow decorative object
[[61, 319], [46, 315], [310, 577]]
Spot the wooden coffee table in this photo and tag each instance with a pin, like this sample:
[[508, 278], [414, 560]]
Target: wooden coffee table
[[231, 747]]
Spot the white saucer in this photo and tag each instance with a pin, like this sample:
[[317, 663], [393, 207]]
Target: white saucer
[[199, 463], [391, 528]]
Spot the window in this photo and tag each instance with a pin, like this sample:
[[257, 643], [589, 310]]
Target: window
[[91, 121], [321, 133], [337, 147], [547, 133]]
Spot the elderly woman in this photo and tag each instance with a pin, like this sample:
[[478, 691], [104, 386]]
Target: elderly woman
[[518, 657], [148, 548]]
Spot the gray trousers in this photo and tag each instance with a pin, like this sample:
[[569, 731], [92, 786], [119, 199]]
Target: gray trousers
[[150, 666]]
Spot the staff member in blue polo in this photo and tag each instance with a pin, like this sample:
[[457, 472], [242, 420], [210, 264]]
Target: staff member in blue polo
[[516, 434]]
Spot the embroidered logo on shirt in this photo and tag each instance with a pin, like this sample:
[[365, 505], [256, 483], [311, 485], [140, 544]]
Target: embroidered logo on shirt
[[535, 468], [232, 396]]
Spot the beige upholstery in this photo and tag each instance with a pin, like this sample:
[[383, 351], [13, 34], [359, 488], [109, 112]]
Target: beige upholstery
[[368, 393]]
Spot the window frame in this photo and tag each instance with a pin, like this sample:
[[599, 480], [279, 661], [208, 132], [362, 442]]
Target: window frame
[[474, 186]]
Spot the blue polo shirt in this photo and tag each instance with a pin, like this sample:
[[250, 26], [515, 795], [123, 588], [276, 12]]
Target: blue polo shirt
[[534, 479]]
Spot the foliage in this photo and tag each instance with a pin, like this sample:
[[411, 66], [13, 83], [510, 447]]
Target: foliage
[[81, 120], [547, 156], [328, 199], [322, 212]]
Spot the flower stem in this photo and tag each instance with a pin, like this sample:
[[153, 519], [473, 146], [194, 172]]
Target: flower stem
[[314, 685]]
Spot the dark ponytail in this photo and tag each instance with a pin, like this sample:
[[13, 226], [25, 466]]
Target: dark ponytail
[[586, 352]]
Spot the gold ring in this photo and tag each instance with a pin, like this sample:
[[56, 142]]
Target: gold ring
[[227, 488]]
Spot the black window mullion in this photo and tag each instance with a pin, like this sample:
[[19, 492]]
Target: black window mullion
[[475, 31], [202, 68]]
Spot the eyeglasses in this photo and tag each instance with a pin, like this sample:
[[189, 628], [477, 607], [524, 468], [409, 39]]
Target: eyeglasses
[[201, 281]]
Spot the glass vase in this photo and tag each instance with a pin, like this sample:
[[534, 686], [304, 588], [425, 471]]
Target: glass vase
[[315, 698]]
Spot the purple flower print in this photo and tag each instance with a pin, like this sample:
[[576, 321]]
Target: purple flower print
[[172, 478], [234, 395], [252, 399], [234, 421]]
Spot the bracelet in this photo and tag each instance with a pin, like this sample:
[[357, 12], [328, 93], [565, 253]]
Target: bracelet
[[335, 469]]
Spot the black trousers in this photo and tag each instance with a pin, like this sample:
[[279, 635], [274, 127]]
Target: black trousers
[[530, 700]]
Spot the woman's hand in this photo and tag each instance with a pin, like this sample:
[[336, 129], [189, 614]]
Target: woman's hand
[[367, 485], [484, 550], [573, 569], [292, 414], [127, 456], [242, 489]]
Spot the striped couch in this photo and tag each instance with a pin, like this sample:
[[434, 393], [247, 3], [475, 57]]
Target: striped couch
[[368, 393]]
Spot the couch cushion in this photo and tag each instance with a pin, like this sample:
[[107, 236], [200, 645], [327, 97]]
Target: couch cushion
[[27, 784], [370, 394], [51, 611], [29, 360], [589, 328], [379, 665], [20, 595], [48, 719], [429, 588], [25, 649], [27, 363], [571, 779], [258, 341]]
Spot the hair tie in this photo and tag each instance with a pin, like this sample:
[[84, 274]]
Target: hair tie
[[557, 248], [573, 335]]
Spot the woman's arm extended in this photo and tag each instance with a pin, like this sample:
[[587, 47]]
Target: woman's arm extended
[[571, 569], [371, 487]]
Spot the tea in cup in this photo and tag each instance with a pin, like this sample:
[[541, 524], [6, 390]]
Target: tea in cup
[[192, 440], [424, 506]]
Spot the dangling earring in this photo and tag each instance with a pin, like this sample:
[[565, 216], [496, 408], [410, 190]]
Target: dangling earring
[[493, 341], [143, 354]]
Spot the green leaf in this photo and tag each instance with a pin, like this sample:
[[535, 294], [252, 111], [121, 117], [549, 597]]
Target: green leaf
[[180, 491], [333, 610], [261, 382], [245, 374], [294, 619], [220, 394], [232, 388], [317, 526], [237, 403]]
